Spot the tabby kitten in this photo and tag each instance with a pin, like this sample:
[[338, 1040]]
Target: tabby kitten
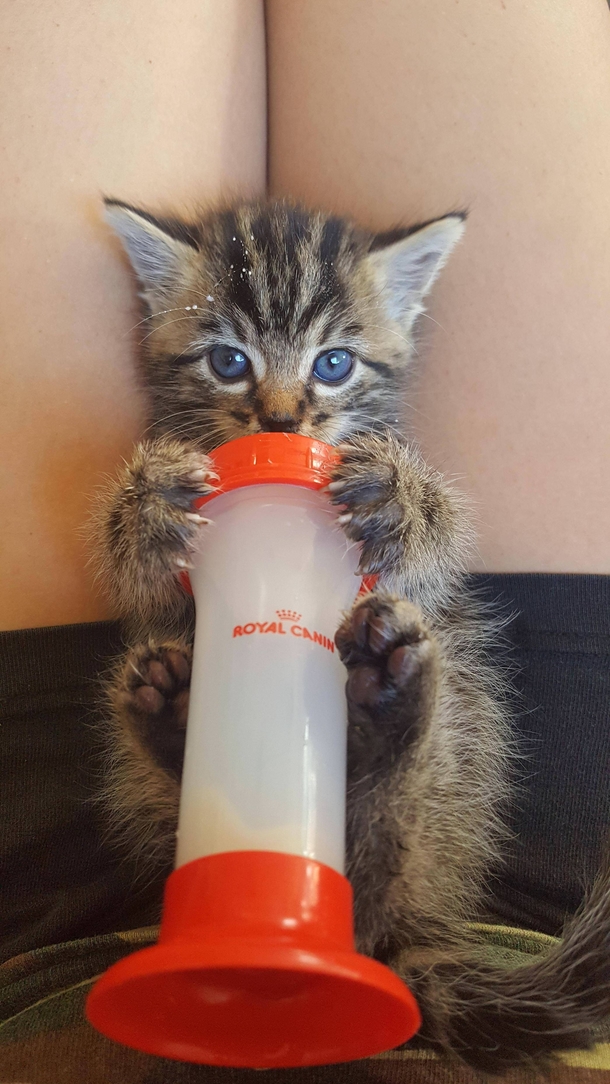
[[268, 317]]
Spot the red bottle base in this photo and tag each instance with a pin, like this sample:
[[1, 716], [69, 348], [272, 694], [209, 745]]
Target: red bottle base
[[255, 968]]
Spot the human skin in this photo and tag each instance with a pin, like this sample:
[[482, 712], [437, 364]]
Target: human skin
[[397, 112], [155, 103], [386, 111]]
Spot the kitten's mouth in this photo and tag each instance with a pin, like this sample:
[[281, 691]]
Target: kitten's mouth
[[306, 428], [266, 423]]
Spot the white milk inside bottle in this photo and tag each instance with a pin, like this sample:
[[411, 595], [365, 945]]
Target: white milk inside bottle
[[265, 751]]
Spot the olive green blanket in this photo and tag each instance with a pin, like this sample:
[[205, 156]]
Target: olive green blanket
[[45, 1039]]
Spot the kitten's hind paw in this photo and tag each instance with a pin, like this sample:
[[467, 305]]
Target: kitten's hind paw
[[392, 662], [152, 698]]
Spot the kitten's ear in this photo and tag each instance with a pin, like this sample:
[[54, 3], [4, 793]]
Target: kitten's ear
[[404, 269], [159, 251]]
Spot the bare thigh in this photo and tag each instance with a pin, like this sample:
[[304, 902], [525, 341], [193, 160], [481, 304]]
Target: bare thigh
[[401, 111], [158, 103]]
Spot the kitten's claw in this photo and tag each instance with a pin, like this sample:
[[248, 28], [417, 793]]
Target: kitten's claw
[[196, 518], [156, 525], [365, 488]]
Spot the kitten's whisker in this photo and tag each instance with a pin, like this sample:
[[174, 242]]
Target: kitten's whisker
[[221, 279], [188, 349], [379, 423], [218, 432], [203, 416], [162, 312], [381, 327], [184, 411], [176, 414], [428, 317], [166, 323]]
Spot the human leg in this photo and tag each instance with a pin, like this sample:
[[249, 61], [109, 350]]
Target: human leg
[[401, 112], [162, 104]]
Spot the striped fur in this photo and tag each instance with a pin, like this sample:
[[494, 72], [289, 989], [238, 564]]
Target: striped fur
[[429, 747], [281, 284]]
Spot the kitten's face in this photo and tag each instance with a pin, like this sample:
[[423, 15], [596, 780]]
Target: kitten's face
[[267, 317]]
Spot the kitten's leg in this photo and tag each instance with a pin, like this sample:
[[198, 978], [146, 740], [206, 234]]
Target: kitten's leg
[[144, 529], [414, 528], [149, 700], [393, 678]]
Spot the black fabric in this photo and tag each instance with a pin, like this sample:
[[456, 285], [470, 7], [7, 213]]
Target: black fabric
[[60, 880], [560, 644]]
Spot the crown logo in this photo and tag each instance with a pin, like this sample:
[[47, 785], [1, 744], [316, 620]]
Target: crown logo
[[288, 615]]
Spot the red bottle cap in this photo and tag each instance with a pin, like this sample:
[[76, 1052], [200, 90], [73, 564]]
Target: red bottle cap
[[268, 458], [255, 968], [273, 457]]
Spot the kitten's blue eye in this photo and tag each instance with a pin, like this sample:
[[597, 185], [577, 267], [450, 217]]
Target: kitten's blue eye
[[333, 366], [228, 362]]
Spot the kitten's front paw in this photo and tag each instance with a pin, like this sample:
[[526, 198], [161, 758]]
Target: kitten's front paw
[[392, 662], [166, 476], [366, 483], [151, 699]]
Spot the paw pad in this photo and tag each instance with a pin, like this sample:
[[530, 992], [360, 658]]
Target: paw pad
[[152, 699], [386, 648], [161, 678]]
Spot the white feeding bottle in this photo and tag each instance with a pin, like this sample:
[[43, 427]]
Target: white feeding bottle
[[255, 965]]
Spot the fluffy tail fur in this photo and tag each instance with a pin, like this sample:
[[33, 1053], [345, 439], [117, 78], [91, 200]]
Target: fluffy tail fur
[[495, 1019]]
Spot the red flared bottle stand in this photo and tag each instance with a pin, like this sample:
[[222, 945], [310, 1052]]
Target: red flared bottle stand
[[255, 968]]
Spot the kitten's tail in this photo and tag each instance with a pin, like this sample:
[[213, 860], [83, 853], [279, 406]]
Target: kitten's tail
[[495, 1019]]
